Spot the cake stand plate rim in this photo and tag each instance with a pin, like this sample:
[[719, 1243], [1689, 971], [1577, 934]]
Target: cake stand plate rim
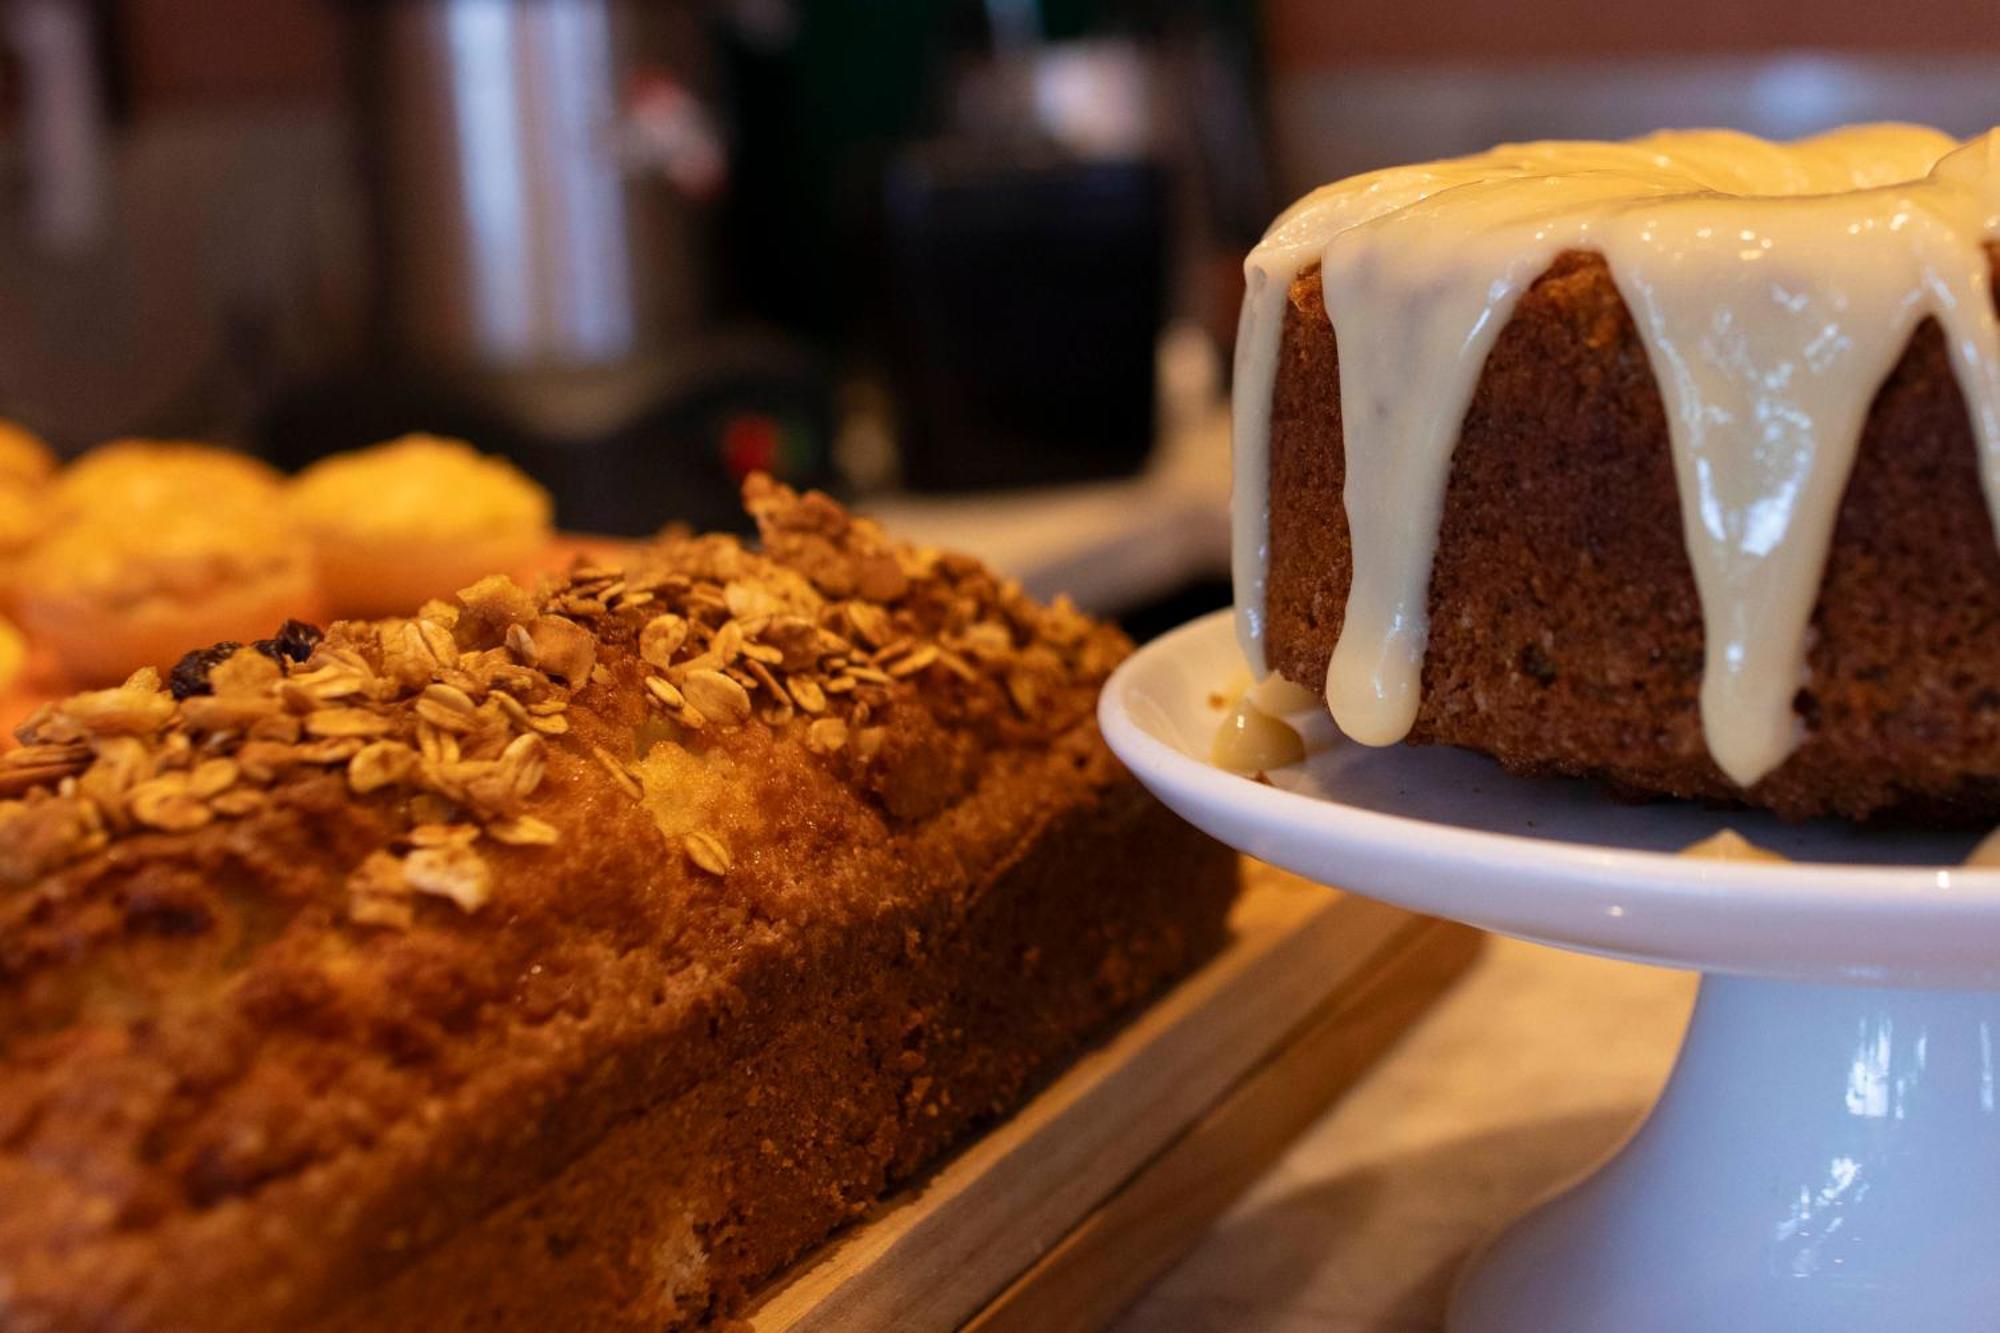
[[1925, 925]]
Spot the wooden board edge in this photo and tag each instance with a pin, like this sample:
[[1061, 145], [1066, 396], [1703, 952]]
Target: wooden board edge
[[1102, 1265], [937, 1253]]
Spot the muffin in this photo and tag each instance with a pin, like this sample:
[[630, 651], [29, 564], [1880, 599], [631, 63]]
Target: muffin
[[147, 475], [24, 520], [123, 587], [413, 519], [25, 465], [24, 459]]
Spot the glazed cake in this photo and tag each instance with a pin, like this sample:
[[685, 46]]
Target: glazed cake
[[559, 959], [1670, 462]]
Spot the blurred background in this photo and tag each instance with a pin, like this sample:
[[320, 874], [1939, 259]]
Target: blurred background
[[974, 266]]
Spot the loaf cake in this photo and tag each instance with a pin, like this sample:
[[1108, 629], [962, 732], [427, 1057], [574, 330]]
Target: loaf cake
[[1469, 511], [571, 958]]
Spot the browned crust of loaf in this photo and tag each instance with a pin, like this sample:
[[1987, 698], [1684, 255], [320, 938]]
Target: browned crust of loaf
[[1566, 633], [913, 1028], [225, 1104]]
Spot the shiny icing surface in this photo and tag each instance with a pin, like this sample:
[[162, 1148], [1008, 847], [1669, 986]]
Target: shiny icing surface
[[1251, 740], [1774, 287]]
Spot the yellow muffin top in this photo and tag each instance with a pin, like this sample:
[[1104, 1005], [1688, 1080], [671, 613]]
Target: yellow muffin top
[[24, 459], [419, 487], [24, 515], [127, 476], [182, 554]]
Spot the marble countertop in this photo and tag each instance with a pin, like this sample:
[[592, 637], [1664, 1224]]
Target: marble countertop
[[1532, 1069]]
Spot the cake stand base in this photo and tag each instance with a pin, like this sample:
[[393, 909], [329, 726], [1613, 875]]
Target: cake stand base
[[1824, 1158]]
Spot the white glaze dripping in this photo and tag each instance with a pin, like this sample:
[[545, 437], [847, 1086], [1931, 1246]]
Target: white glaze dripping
[[1773, 285]]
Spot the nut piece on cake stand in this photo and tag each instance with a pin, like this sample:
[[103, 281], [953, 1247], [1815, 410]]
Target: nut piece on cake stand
[[1825, 1153]]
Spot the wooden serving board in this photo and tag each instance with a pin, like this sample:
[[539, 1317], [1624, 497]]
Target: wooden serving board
[[1059, 1216]]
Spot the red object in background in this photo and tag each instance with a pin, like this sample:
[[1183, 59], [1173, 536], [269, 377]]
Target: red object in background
[[750, 444]]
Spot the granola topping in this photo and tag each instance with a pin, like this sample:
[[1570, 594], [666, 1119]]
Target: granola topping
[[448, 717]]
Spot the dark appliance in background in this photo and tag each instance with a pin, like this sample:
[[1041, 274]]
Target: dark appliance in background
[[540, 178], [1029, 299], [988, 212]]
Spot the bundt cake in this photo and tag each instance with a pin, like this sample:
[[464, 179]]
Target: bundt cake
[[1670, 462]]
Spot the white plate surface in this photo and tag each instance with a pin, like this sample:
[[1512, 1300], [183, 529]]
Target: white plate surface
[[1450, 834]]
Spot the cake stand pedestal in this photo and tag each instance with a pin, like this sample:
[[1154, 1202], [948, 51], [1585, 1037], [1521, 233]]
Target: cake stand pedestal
[[1826, 1155], [1824, 1158]]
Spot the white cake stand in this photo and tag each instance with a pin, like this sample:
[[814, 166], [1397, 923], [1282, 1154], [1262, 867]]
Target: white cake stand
[[1826, 1156]]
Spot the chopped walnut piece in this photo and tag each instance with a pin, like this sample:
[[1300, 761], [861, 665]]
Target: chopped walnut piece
[[377, 894], [563, 648], [748, 601], [988, 641], [453, 871], [880, 578], [491, 605], [797, 641]]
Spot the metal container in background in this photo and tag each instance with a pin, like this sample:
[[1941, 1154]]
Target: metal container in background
[[537, 170], [539, 175]]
